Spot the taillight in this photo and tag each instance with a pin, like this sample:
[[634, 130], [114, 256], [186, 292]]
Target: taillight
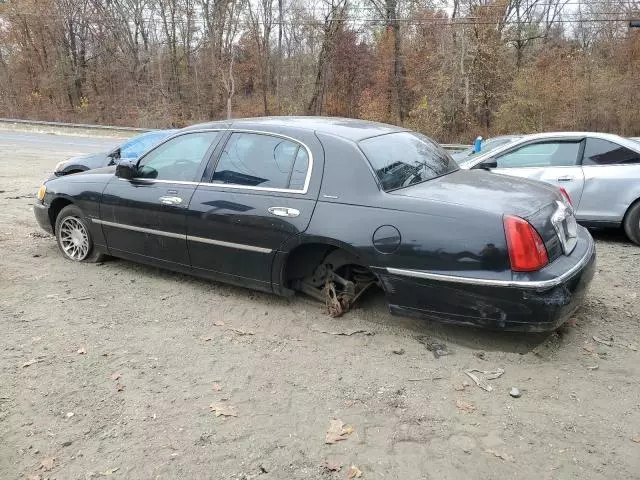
[[526, 249], [566, 195]]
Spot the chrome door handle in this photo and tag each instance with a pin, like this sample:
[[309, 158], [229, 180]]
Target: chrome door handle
[[170, 200], [284, 211], [565, 179]]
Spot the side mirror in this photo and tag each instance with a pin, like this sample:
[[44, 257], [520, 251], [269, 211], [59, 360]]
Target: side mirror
[[488, 164], [126, 169]]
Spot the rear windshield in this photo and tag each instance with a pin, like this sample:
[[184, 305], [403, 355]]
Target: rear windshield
[[405, 158]]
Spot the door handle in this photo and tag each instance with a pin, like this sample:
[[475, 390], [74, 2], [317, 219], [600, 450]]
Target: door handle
[[170, 200], [284, 211], [566, 178]]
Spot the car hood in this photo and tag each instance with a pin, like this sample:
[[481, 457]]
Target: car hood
[[486, 191], [91, 160], [96, 175]]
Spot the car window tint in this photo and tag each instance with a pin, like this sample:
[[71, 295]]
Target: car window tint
[[405, 158], [604, 152], [178, 159], [544, 154], [257, 160]]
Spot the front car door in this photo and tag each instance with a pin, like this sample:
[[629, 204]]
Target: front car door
[[549, 160], [611, 181], [145, 218], [259, 193]]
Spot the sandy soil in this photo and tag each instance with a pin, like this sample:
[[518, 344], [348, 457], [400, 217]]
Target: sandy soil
[[111, 369]]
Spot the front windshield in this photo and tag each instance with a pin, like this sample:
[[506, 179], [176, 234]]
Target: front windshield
[[405, 158], [491, 144], [140, 144]]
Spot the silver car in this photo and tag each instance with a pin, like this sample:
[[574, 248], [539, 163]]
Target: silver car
[[599, 171]]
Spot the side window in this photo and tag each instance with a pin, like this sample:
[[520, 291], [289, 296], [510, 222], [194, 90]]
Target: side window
[[253, 159], [604, 152], [178, 159], [547, 154]]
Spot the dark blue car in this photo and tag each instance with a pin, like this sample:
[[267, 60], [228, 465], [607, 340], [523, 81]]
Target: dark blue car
[[131, 150]]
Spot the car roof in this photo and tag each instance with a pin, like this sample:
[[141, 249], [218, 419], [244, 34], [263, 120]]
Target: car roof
[[348, 128]]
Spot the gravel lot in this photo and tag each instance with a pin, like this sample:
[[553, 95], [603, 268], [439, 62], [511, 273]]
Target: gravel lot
[[111, 369]]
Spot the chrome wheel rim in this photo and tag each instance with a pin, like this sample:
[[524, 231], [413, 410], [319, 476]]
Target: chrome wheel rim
[[74, 238]]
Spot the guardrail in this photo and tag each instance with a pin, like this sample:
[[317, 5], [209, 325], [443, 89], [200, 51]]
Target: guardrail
[[86, 126], [453, 147]]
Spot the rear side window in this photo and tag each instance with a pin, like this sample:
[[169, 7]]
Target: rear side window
[[543, 154], [405, 158], [258, 160], [604, 152]]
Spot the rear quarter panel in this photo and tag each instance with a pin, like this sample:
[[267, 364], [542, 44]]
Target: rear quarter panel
[[608, 192]]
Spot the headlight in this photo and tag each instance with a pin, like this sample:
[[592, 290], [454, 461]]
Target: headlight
[[61, 165], [41, 192]]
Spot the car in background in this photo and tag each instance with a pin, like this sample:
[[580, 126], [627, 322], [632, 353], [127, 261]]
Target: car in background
[[131, 149], [599, 171], [330, 207], [486, 146]]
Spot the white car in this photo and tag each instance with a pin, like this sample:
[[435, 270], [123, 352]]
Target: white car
[[599, 171]]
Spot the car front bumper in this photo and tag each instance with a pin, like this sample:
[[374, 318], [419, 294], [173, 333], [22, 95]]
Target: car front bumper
[[41, 211], [531, 305]]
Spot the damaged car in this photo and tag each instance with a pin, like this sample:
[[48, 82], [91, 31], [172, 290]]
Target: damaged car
[[333, 207]]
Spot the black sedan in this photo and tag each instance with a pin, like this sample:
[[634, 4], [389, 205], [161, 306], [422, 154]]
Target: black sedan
[[330, 207]]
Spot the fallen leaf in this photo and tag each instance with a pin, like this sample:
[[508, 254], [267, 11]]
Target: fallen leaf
[[32, 361], [119, 387], [47, 463], [346, 333], [216, 387], [337, 431], [353, 472], [239, 331], [82, 351], [503, 456], [225, 410], [218, 323], [332, 465], [635, 439], [109, 471], [491, 375], [464, 406], [115, 376]]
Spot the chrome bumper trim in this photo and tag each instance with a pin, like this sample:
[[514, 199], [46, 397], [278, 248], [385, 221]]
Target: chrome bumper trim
[[540, 284]]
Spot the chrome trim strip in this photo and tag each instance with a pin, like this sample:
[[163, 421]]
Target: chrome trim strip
[[210, 241], [220, 243], [303, 191], [139, 229], [540, 284]]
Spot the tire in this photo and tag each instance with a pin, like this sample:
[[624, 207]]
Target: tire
[[632, 223], [74, 237]]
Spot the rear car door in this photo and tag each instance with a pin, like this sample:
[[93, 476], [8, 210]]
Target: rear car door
[[145, 218], [551, 161], [260, 192], [612, 180]]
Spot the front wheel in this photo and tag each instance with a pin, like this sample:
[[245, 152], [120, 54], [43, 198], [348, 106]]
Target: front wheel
[[632, 223], [73, 236]]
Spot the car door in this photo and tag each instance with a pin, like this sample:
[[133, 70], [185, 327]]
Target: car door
[[259, 194], [551, 161], [145, 218], [611, 180]]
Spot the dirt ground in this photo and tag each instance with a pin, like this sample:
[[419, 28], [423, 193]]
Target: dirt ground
[[111, 370]]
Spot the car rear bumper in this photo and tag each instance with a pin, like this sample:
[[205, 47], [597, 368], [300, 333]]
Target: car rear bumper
[[515, 305], [41, 211]]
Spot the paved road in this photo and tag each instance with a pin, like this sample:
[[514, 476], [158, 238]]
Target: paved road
[[47, 142]]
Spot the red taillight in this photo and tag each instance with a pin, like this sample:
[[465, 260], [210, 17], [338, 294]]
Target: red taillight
[[566, 195], [526, 249]]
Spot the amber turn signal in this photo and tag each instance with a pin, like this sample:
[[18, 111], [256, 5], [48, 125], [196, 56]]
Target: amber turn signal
[[41, 192]]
